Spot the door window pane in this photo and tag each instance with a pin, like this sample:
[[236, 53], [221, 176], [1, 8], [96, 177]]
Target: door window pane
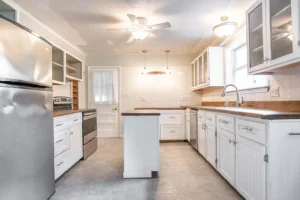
[[104, 90], [256, 36], [281, 28]]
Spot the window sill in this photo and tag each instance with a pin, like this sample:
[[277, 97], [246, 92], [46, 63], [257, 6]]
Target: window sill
[[249, 90]]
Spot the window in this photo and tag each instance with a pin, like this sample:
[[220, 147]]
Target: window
[[104, 90], [236, 67]]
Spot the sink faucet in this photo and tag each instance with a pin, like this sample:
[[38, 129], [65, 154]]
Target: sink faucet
[[238, 100]]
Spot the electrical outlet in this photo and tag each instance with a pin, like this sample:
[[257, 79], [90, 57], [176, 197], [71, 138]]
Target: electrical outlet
[[275, 91], [143, 99]]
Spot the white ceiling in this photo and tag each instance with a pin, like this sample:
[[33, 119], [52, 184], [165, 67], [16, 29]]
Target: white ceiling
[[84, 22]]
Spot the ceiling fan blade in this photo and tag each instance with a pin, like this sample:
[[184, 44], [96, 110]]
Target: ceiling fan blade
[[160, 26], [131, 39], [126, 30], [132, 18], [158, 38]]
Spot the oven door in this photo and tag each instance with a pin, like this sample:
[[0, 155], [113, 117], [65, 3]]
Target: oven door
[[89, 128]]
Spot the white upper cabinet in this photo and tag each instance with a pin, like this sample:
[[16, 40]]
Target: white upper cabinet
[[208, 69], [272, 35]]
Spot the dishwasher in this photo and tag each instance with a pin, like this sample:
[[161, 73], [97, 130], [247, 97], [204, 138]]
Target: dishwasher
[[193, 129]]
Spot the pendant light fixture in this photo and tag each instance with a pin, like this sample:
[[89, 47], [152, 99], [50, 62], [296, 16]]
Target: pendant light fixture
[[145, 62], [167, 69], [225, 28]]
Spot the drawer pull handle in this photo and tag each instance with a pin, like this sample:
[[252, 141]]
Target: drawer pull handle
[[59, 125], [171, 117], [210, 119], [75, 120], [59, 141], [172, 131], [248, 129], [294, 133], [224, 122], [59, 164]]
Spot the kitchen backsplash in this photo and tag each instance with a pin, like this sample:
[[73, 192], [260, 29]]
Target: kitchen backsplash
[[287, 80]]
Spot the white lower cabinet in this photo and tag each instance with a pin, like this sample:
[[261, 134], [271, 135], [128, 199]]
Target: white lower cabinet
[[250, 169], [68, 146], [259, 158], [201, 138], [226, 155], [172, 125], [187, 125], [211, 145], [76, 151]]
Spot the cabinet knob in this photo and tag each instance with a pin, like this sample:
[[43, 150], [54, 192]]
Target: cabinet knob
[[71, 133]]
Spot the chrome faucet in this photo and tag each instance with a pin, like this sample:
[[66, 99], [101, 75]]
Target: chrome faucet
[[239, 101]]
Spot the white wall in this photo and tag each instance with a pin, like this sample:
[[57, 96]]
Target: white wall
[[158, 90]]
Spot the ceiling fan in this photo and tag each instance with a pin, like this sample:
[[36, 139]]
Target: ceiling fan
[[140, 28]]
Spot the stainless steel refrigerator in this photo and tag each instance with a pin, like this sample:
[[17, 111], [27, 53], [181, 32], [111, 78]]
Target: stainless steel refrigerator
[[26, 115]]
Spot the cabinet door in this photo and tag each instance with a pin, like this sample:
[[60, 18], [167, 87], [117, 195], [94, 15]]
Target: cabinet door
[[201, 139], [250, 169], [226, 155], [211, 145], [200, 71], [76, 145], [283, 19], [187, 125], [205, 67], [256, 36], [193, 74]]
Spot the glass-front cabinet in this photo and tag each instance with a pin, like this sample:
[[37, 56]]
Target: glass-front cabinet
[[211, 60], [273, 35]]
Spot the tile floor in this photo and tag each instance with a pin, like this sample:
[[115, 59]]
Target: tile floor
[[184, 175]]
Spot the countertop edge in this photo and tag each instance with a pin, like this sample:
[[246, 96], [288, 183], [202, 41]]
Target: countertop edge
[[60, 113]]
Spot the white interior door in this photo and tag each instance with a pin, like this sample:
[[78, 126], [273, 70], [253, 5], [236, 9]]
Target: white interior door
[[103, 95]]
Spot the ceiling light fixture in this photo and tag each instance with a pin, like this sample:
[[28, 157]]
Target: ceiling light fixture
[[140, 35], [168, 70], [225, 28], [145, 62]]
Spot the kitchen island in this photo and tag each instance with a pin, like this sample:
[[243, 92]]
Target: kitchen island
[[141, 143]]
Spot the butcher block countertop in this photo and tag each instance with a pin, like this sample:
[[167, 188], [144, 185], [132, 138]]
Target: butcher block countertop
[[58, 113], [252, 112], [161, 108], [141, 113]]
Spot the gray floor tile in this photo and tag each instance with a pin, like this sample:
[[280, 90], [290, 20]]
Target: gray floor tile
[[184, 175]]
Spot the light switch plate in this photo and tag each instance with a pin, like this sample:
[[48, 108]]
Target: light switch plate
[[275, 91]]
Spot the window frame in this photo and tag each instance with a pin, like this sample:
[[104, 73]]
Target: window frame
[[230, 65]]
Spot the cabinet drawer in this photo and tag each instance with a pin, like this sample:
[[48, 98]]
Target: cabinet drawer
[[171, 118], [252, 130], [210, 118], [172, 133], [226, 123], [60, 142], [76, 119], [61, 124], [201, 115], [61, 163]]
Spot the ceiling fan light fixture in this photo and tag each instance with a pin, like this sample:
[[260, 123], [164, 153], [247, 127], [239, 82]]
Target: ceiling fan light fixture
[[140, 35], [225, 28]]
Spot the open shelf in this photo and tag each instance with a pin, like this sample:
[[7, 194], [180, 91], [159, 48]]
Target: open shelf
[[260, 48], [282, 17], [258, 28], [55, 64], [71, 69]]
